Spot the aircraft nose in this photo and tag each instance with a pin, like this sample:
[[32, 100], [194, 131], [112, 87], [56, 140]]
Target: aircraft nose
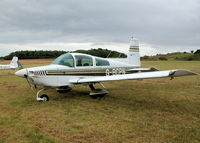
[[21, 72]]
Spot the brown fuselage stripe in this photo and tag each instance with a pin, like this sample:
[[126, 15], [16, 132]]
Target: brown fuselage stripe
[[79, 74]]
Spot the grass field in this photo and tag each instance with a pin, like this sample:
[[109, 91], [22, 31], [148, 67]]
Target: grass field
[[178, 56], [138, 111]]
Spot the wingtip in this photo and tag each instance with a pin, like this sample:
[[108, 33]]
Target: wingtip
[[191, 73], [181, 72]]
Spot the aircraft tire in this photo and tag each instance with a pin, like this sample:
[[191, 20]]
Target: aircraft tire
[[97, 96], [94, 96], [64, 89], [44, 97], [102, 95]]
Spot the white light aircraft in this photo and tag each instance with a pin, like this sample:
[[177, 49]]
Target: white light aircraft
[[14, 64], [75, 68]]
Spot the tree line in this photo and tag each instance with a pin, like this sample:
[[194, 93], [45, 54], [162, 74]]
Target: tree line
[[53, 54], [184, 56]]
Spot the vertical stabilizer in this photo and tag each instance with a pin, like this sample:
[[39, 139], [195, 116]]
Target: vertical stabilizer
[[14, 62], [133, 55]]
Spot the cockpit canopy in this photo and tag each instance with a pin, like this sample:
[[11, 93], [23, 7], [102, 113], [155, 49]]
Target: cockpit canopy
[[83, 60], [65, 60], [80, 60]]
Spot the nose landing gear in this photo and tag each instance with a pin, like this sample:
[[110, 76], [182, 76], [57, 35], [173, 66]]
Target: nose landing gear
[[43, 97]]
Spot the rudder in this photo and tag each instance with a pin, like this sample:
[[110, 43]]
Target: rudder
[[14, 62], [133, 55]]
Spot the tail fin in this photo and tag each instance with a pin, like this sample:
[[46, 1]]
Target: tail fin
[[15, 63], [133, 55]]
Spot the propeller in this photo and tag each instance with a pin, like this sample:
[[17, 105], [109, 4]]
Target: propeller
[[27, 79], [26, 76]]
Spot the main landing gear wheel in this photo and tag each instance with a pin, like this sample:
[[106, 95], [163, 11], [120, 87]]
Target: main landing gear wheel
[[64, 89], [97, 93], [98, 96], [44, 98], [94, 96]]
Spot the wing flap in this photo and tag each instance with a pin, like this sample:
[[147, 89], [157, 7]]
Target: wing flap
[[144, 75], [142, 69]]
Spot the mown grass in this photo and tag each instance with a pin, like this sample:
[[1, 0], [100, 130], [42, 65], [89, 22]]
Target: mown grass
[[153, 111]]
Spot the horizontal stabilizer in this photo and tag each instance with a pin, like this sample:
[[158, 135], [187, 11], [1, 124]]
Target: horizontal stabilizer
[[142, 75]]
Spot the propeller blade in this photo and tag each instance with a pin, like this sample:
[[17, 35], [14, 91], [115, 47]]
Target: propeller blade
[[26, 76]]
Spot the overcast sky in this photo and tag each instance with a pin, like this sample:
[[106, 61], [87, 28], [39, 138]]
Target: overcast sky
[[161, 25]]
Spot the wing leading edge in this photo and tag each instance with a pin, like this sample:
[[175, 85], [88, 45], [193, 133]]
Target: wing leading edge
[[144, 75]]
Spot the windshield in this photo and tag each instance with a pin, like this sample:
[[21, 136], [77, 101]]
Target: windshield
[[66, 60]]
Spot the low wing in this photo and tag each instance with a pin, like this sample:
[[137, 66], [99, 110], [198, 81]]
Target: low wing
[[144, 75], [143, 69]]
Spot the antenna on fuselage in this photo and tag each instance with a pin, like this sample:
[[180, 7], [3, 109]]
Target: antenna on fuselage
[[120, 55], [109, 54]]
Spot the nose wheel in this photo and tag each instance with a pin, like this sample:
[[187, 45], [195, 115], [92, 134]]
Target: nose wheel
[[43, 97]]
